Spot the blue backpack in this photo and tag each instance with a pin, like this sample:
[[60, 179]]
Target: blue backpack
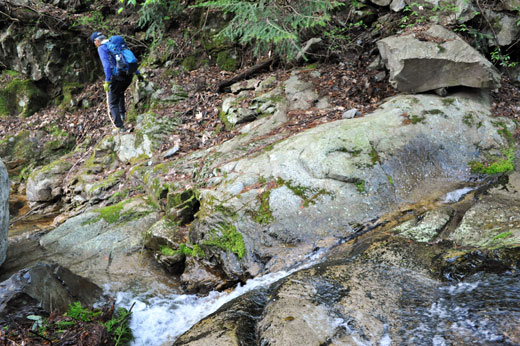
[[125, 61]]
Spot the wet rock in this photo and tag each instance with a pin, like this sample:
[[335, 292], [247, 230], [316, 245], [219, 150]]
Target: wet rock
[[106, 244], [4, 211], [374, 290], [494, 221], [23, 251], [41, 289], [234, 326], [46, 183], [163, 238], [450, 61], [198, 279], [427, 227]]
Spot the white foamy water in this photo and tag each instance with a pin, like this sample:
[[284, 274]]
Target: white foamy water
[[455, 196], [161, 318]]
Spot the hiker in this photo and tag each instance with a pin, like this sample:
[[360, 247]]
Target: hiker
[[115, 85]]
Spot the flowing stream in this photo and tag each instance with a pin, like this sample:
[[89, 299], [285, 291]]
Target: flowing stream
[[480, 310], [159, 318]]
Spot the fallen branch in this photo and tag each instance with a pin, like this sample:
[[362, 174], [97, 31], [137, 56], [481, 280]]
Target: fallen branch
[[41, 336]]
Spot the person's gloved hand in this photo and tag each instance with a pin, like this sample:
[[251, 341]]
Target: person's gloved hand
[[106, 86], [140, 78]]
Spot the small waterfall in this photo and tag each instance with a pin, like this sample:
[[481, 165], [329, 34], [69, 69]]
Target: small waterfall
[[160, 318], [455, 196], [478, 311]]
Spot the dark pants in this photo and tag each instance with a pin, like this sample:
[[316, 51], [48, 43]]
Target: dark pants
[[116, 99]]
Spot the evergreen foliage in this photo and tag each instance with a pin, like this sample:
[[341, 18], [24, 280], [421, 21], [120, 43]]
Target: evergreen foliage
[[273, 25], [154, 14]]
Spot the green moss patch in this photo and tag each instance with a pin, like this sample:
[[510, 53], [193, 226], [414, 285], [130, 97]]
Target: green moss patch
[[191, 250], [189, 63], [223, 117], [264, 215], [495, 165], [374, 156], [226, 237], [308, 195], [503, 235], [108, 182], [360, 186], [114, 214]]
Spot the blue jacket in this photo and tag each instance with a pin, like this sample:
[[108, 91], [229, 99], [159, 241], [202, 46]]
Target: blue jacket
[[108, 61]]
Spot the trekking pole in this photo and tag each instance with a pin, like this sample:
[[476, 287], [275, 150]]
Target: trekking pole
[[108, 113]]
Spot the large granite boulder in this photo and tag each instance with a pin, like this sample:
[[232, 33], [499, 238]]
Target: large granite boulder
[[4, 211], [42, 289], [317, 187], [106, 244], [435, 58]]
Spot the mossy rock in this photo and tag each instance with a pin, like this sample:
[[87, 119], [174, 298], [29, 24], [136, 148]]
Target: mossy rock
[[20, 153], [22, 98], [189, 63], [226, 237], [69, 90], [183, 205], [227, 60]]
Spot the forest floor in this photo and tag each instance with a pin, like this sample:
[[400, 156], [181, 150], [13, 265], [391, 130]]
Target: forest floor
[[347, 86]]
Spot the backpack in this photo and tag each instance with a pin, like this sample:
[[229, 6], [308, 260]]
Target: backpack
[[125, 61]]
